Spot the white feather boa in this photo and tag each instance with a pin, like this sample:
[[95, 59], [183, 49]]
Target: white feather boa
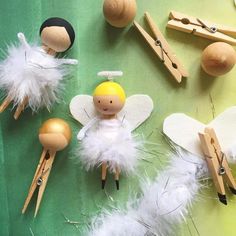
[[29, 72], [164, 203]]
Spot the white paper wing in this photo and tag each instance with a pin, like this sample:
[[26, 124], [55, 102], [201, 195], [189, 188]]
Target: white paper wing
[[136, 110], [82, 108], [183, 130], [225, 128]]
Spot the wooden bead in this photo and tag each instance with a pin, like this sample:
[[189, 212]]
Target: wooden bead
[[55, 134], [55, 38], [119, 13], [218, 59], [57, 35]]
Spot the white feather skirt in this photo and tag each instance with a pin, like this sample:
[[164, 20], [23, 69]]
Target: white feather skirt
[[109, 141], [164, 204], [29, 72]]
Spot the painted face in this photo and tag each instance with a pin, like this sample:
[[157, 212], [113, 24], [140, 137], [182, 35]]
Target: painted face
[[108, 104]]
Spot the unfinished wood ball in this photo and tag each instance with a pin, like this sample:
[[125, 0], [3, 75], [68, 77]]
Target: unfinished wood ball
[[119, 13], [218, 59]]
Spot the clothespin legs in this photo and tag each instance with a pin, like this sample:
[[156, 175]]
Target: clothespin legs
[[5, 103], [117, 174], [43, 179], [214, 167], [40, 179], [34, 182], [19, 108], [104, 174]]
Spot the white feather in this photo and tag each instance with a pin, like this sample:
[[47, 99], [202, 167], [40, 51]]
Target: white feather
[[104, 140], [29, 72], [109, 141], [164, 203]]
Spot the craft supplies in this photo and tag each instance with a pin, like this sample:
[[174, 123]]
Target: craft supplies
[[54, 135], [164, 203]]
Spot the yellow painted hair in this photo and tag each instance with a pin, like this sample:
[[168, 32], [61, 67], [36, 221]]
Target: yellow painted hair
[[110, 88]]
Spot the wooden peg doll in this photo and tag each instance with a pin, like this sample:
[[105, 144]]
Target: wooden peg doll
[[108, 119], [31, 75]]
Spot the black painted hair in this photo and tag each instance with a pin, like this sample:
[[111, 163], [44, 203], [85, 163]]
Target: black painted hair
[[57, 21]]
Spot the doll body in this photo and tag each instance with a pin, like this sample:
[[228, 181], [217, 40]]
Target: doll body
[[109, 141], [30, 73]]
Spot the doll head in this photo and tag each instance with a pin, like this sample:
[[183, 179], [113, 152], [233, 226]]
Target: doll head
[[57, 34], [55, 134], [109, 98]]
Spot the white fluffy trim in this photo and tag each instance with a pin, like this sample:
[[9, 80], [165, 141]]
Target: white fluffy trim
[[29, 72], [164, 203], [121, 152]]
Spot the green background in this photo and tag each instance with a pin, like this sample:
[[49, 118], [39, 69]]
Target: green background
[[70, 190]]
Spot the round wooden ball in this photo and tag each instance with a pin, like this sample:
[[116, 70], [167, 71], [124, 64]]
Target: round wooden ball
[[218, 59], [55, 134], [57, 34], [119, 13]]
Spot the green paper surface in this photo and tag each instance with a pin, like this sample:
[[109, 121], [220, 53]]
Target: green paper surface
[[71, 191]]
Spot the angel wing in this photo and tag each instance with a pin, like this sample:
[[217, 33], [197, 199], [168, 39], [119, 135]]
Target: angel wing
[[137, 109], [82, 108], [183, 130]]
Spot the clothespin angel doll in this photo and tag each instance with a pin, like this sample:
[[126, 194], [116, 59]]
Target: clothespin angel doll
[[31, 75], [108, 119]]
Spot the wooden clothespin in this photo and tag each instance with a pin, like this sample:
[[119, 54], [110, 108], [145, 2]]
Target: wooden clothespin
[[19, 108], [217, 163], [202, 28], [55, 135], [161, 47]]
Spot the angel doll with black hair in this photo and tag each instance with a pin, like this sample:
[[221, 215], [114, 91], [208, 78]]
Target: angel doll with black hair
[[31, 75]]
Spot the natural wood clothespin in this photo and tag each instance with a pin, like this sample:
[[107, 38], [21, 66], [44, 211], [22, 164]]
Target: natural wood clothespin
[[161, 47], [217, 163], [202, 28], [55, 135]]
